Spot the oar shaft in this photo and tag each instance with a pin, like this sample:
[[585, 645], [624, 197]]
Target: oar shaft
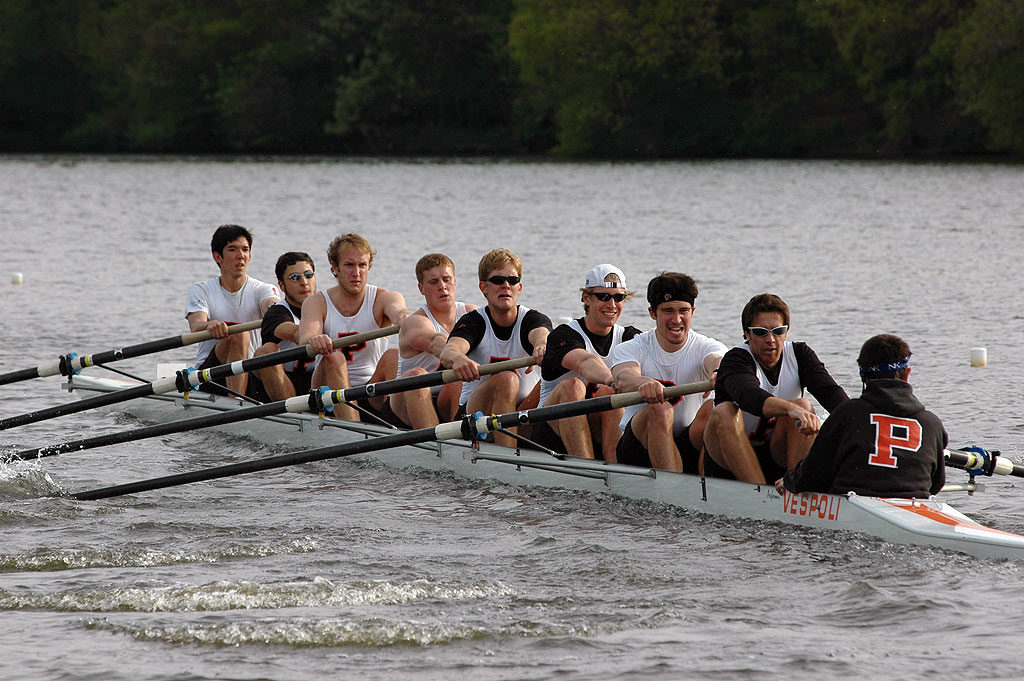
[[179, 382], [68, 365], [444, 431], [407, 438], [293, 405]]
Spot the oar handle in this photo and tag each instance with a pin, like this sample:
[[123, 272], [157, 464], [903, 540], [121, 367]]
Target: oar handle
[[355, 338], [200, 336], [449, 375], [978, 461]]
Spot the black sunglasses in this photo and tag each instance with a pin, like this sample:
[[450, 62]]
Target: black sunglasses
[[498, 280], [605, 297], [761, 332], [297, 276]]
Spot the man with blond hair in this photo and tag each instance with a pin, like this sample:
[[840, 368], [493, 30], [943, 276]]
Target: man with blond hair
[[420, 341], [575, 367], [500, 330], [353, 306]]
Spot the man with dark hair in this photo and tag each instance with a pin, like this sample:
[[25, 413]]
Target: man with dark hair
[[231, 298], [665, 434], [296, 276], [423, 336], [884, 443], [575, 367], [502, 329], [762, 424]]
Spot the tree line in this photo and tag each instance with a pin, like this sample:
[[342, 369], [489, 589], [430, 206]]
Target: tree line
[[577, 78]]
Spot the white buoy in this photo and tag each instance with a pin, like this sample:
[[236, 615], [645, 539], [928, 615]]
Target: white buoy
[[16, 278], [979, 357]]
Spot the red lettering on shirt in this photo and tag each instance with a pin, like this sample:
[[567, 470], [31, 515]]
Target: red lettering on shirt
[[668, 384], [350, 350], [891, 433]]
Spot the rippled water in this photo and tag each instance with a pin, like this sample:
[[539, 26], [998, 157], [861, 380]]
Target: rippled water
[[357, 570]]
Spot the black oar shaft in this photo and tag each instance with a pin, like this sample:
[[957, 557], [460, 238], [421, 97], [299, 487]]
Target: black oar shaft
[[444, 431], [271, 409], [182, 382], [408, 438], [75, 407], [66, 365]]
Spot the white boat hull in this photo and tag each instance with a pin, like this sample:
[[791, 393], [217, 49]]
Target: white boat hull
[[921, 522]]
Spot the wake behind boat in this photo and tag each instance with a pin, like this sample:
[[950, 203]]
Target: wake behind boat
[[907, 521]]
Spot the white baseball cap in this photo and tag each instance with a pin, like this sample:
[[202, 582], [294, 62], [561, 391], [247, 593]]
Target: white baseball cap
[[596, 277]]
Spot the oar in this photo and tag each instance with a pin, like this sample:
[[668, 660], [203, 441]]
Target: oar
[[466, 428], [978, 461], [313, 402], [69, 364], [189, 379]]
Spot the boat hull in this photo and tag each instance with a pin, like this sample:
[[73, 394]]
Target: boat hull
[[922, 522]]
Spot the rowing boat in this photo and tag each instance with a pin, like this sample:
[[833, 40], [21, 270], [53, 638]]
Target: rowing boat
[[929, 522]]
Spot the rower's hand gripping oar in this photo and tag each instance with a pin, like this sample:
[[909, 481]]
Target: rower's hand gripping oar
[[315, 401], [69, 364], [189, 379], [977, 461], [468, 428]]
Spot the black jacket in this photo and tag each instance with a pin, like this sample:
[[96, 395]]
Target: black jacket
[[884, 443]]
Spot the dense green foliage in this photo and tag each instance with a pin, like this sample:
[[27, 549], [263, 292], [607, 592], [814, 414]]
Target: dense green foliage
[[608, 78]]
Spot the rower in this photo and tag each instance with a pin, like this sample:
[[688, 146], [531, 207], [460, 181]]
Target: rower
[[752, 434], [665, 434], [422, 337], [230, 298], [296, 277], [352, 306], [575, 367], [883, 443], [500, 330]]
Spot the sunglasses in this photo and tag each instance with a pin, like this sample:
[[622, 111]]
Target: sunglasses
[[499, 280], [605, 297], [761, 332], [297, 276]]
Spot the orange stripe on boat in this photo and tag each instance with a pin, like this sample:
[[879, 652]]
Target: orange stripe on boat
[[940, 517]]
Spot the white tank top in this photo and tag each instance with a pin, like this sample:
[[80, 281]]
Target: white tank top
[[493, 349], [425, 360], [362, 358], [759, 428], [241, 306], [547, 386]]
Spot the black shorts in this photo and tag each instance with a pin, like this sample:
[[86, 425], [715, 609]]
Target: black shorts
[[302, 381], [629, 450], [544, 435], [385, 413], [772, 471]]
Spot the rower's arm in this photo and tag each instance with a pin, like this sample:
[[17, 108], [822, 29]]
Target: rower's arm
[[588, 365], [391, 304], [417, 334], [629, 379], [539, 340], [311, 325], [199, 321], [775, 406], [453, 356], [266, 303]]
